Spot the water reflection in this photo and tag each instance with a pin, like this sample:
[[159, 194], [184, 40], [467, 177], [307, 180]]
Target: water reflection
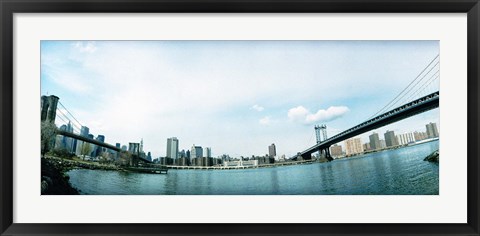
[[400, 171]]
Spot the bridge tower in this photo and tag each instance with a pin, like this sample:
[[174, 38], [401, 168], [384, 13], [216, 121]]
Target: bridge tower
[[49, 108], [321, 134], [323, 130]]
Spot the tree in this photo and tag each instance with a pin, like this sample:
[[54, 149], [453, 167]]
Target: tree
[[48, 133], [86, 149]]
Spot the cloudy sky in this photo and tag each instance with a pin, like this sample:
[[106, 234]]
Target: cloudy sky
[[236, 97]]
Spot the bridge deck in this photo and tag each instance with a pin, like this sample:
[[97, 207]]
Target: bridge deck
[[412, 108]]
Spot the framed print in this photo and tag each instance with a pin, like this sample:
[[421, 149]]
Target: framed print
[[263, 117]]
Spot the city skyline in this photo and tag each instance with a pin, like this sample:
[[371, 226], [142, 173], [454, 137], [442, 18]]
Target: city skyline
[[238, 120]]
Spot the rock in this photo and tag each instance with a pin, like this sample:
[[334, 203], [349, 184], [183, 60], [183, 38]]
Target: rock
[[434, 157], [54, 181]]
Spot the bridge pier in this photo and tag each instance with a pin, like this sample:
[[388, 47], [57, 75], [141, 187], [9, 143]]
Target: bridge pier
[[327, 154], [306, 156]]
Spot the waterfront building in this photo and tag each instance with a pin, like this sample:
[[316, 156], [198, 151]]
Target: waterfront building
[[382, 144], [60, 140], [240, 163], [207, 152], [336, 150], [406, 138], [272, 150], [432, 131], [196, 151], [172, 148], [353, 146], [92, 146], [134, 148], [419, 136], [390, 139], [366, 147], [69, 142], [99, 150], [124, 148], [374, 141], [117, 145], [83, 132]]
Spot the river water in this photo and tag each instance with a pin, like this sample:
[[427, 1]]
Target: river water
[[400, 171]]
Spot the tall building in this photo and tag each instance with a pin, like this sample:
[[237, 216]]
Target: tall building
[[84, 131], [390, 139], [60, 140], [172, 148], [405, 138], [366, 147], [432, 131], [419, 136], [336, 150], [353, 146], [272, 150], [196, 151], [134, 148], [207, 152], [382, 144], [374, 141], [98, 149]]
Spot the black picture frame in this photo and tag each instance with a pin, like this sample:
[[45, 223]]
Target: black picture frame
[[9, 7]]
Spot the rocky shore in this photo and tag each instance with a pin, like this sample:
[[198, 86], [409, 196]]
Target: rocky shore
[[434, 157], [54, 181]]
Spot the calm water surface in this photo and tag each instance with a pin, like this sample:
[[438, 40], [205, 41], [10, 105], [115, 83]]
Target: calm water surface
[[400, 171]]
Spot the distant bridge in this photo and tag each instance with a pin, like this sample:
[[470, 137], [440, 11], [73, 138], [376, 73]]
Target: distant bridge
[[101, 144]]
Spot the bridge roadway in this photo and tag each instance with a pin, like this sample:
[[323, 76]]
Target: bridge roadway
[[96, 142], [412, 108]]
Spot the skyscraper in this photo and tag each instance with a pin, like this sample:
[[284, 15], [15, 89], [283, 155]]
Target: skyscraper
[[374, 141], [196, 151], [84, 131], [432, 131], [172, 148], [272, 150], [353, 146], [98, 149], [390, 139], [207, 152]]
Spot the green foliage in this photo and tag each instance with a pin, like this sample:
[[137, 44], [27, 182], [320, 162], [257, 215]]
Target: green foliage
[[61, 152], [48, 133], [86, 149]]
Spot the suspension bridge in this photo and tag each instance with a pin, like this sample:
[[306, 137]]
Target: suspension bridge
[[52, 108], [419, 96]]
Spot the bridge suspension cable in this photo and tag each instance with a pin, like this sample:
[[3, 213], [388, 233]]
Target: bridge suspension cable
[[66, 119], [75, 119], [405, 92]]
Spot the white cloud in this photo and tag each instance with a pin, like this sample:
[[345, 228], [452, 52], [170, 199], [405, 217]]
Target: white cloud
[[88, 47], [303, 115], [298, 113], [265, 120], [257, 107]]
